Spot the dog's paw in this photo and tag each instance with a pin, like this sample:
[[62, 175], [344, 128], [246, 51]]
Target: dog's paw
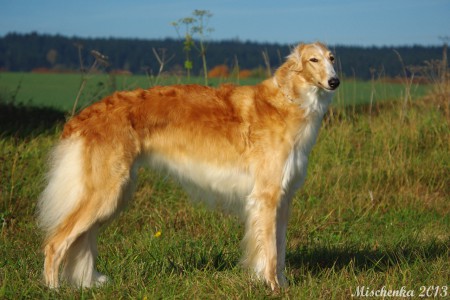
[[282, 281], [99, 280]]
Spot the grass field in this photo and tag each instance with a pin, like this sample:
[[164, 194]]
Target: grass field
[[60, 90], [374, 213]]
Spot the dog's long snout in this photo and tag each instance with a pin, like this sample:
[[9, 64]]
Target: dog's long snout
[[334, 83]]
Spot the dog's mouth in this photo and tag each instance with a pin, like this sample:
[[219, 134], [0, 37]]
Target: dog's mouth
[[331, 85], [326, 88]]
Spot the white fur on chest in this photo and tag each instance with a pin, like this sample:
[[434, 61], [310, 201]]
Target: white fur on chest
[[315, 103]]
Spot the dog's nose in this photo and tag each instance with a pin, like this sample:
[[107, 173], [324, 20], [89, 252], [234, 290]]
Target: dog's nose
[[334, 82]]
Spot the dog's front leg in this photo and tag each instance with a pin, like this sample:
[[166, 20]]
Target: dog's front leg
[[282, 222], [260, 240]]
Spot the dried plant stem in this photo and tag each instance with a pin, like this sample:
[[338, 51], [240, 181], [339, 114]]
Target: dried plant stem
[[162, 61], [407, 84], [265, 56], [80, 90], [100, 59], [236, 69], [372, 92], [13, 173]]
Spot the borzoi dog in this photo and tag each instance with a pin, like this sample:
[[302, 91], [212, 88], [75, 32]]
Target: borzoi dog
[[238, 145]]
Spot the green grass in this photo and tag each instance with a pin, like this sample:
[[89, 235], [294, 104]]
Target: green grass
[[60, 90], [374, 212], [354, 92]]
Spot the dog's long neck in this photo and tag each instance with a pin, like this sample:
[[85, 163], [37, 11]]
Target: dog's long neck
[[313, 100], [313, 103]]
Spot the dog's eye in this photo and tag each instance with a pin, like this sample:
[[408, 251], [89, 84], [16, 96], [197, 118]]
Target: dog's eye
[[332, 58], [313, 60]]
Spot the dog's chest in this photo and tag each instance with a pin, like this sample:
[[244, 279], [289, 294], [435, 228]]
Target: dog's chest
[[297, 161]]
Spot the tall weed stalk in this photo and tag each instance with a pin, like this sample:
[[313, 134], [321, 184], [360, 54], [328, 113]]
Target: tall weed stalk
[[196, 25], [99, 60], [161, 57], [438, 74]]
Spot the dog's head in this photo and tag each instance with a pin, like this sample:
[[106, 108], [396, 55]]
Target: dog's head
[[310, 65], [315, 63]]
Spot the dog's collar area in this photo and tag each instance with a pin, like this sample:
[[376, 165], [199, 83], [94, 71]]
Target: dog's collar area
[[286, 95]]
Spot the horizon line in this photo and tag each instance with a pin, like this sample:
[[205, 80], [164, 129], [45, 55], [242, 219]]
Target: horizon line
[[234, 39]]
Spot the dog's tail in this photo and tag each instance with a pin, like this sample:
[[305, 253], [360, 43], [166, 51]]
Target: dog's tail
[[86, 186], [65, 185]]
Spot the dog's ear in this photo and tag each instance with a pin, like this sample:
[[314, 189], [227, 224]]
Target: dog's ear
[[296, 58], [292, 64]]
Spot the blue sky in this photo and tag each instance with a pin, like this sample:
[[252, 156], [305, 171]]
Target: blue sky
[[346, 22]]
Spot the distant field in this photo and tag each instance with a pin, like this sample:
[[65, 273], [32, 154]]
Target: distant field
[[355, 92], [60, 90]]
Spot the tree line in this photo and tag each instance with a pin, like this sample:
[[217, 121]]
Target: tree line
[[31, 51]]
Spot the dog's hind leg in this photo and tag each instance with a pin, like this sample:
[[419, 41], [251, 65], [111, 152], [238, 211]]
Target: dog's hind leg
[[79, 268], [76, 239], [86, 188], [71, 234]]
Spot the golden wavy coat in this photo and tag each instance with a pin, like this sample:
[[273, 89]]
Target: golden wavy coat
[[241, 146]]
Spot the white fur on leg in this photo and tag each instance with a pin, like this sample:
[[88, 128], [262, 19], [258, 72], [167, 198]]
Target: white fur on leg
[[79, 269], [99, 279], [257, 254], [253, 258], [259, 243], [282, 222]]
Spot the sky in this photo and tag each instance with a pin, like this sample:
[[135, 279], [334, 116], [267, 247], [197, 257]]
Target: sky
[[337, 22]]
